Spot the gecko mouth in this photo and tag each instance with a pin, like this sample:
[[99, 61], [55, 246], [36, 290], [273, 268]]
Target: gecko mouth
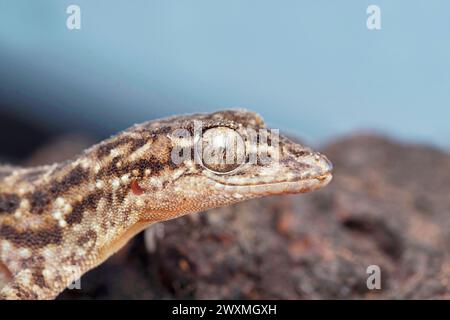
[[295, 171], [276, 187]]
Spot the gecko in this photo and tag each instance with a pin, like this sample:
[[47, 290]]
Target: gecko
[[59, 221]]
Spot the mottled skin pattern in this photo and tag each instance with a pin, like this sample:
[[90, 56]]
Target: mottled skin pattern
[[59, 221]]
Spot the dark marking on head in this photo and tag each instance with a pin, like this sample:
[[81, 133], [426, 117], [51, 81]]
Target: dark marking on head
[[35, 261], [166, 183], [88, 203], [9, 202], [300, 153], [38, 201], [109, 198], [38, 278], [88, 236], [104, 221], [151, 163], [74, 178], [296, 151], [105, 148], [190, 128], [163, 130], [121, 194], [137, 143], [112, 170], [31, 238]]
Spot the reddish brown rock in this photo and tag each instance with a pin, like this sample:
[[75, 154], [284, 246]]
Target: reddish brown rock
[[388, 205]]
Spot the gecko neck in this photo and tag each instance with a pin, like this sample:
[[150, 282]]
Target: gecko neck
[[63, 219]]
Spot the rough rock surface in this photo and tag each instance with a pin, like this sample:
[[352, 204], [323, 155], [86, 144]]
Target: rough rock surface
[[388, 205]]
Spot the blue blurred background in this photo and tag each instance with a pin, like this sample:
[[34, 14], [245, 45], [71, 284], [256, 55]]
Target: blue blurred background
[[311, 68]]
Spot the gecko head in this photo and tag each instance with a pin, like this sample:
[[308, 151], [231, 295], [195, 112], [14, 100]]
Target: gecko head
[[229, 156], [262, 161]]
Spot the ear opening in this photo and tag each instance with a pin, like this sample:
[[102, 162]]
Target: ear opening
[[5, 275]]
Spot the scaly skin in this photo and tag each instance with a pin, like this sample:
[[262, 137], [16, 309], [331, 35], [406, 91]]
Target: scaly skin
[[59, 221]]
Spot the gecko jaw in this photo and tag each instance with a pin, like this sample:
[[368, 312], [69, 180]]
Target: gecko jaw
[[282, 187], [291, 175]]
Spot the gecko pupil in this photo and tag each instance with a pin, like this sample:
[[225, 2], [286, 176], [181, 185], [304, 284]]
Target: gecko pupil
[[223, 149]]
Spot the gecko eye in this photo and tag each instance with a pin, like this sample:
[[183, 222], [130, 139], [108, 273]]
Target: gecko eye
[[223, 149]]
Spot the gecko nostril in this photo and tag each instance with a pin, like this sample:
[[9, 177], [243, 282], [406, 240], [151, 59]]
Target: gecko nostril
[[328, 163], [324, 165]]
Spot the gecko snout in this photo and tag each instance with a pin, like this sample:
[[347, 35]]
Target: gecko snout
[[324, 164], [320, 167]]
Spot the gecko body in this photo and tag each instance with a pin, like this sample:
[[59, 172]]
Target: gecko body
[[59, 221]]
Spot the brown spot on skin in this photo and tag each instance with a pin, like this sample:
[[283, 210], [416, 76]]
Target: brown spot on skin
[[39, 279], [38, 201], [88, 203], [9, 202], [121, 194], [32, 262], [88, 236], [31, 238]]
